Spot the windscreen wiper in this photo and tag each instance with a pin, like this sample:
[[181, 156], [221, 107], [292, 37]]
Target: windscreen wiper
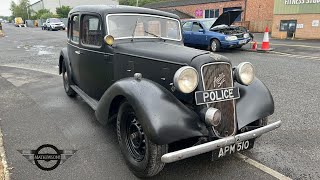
[[134, 29], [159, 37]]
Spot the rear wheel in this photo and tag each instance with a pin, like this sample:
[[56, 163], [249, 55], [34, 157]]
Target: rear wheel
[[66, 82], [215, 45], [141, 155]]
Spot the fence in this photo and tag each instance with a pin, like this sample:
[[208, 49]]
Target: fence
[[31, 23], [260, 26]]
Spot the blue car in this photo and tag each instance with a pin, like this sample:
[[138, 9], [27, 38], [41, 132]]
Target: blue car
[[215, 33]]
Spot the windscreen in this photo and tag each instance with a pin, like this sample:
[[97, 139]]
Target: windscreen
[[55, 20], [143, 26], [208, 23]]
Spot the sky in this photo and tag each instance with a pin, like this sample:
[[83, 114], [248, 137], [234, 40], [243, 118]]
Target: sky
[[5, 7]]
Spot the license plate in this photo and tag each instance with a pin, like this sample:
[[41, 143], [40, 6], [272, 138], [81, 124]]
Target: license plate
[[231, 149], [216, 95], [242, 41]]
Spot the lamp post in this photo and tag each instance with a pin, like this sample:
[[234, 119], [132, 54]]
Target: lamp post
[[137, 3], [28, 12]]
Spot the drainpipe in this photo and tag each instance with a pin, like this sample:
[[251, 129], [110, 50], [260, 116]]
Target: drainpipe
[[245, 10]]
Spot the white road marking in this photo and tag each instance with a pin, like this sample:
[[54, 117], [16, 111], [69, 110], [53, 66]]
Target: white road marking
[[262, 167], [296, 56], [3, 158], [32, 69]]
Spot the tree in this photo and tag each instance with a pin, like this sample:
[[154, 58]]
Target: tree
[[63, 11], [48, 15], [20, 9], [39, 13]]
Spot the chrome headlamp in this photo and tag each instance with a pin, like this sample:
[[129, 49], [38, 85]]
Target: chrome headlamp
[[244, 73], [186, 79]]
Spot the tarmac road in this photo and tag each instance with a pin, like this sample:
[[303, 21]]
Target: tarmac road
[[34, 110]]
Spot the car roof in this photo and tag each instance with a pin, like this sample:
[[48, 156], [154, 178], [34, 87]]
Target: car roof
[[113, 9], [199, 19]]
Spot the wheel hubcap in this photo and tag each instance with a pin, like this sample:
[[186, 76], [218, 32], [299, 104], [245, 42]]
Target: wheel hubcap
[[66, 81], [213, 46], [135, 139]]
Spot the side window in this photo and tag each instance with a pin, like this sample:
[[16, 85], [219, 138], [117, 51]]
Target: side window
[[187, 26], [75, 29], [196, 26], [91, 33]]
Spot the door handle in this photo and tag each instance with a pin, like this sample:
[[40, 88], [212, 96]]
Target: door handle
[[77, 52]]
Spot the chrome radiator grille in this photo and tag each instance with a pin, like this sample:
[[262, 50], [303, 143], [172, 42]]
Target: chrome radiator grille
[[216, 76]]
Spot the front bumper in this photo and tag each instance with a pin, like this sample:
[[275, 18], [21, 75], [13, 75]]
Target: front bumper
[[236, 43], [210, 146], [57, 27]]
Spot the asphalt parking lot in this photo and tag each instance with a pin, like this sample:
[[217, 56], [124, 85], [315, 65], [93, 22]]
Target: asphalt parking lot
[[34, 110]]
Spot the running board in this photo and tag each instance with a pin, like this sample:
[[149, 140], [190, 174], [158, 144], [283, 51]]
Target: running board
[[91, 102]]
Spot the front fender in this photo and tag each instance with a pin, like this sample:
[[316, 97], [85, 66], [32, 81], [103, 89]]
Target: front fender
[[64, 58], [255, 102], [164, 118]]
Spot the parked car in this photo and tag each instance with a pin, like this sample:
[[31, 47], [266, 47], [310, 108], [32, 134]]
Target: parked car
[[53, 24], [215, 33], [131, 67]]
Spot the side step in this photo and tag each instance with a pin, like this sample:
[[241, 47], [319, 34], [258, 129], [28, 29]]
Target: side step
[[91, 102]]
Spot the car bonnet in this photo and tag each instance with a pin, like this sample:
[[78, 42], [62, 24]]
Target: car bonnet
[[227, 18], [160, 50]]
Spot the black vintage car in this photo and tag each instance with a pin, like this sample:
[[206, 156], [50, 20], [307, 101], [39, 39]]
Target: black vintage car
[[169, 102]]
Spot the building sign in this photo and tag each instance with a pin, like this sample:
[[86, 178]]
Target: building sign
[[199, 13], [315, 23], [289, 2], [299, 26], [296, 7]]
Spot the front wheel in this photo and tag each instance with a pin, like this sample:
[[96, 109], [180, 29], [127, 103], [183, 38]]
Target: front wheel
[[141, 155], [215, 45], [66, 82]]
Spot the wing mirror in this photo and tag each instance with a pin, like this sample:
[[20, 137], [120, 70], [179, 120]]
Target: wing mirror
[[201, 30]]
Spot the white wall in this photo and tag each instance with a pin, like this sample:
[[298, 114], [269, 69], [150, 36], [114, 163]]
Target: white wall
[[36, 7], [53, 4]]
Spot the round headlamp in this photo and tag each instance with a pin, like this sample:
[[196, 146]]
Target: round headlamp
[[109, 40], [244, 73], [186, 79]]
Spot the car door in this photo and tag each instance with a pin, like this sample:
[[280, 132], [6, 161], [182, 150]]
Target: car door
[[186, 29], [198, 38], [95, 64], [73, 47]]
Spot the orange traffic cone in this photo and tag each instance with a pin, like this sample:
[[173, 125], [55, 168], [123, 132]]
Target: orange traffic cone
[[254, 46], [265, 43]]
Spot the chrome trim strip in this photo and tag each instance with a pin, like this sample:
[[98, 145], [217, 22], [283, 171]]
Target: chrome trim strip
[[148, 15], [234, 107], [210, 146], [88, 49]]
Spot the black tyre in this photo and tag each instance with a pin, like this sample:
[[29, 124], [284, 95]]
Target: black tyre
[[141, 155], [215, 45], [66, 82], [263, 121]]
